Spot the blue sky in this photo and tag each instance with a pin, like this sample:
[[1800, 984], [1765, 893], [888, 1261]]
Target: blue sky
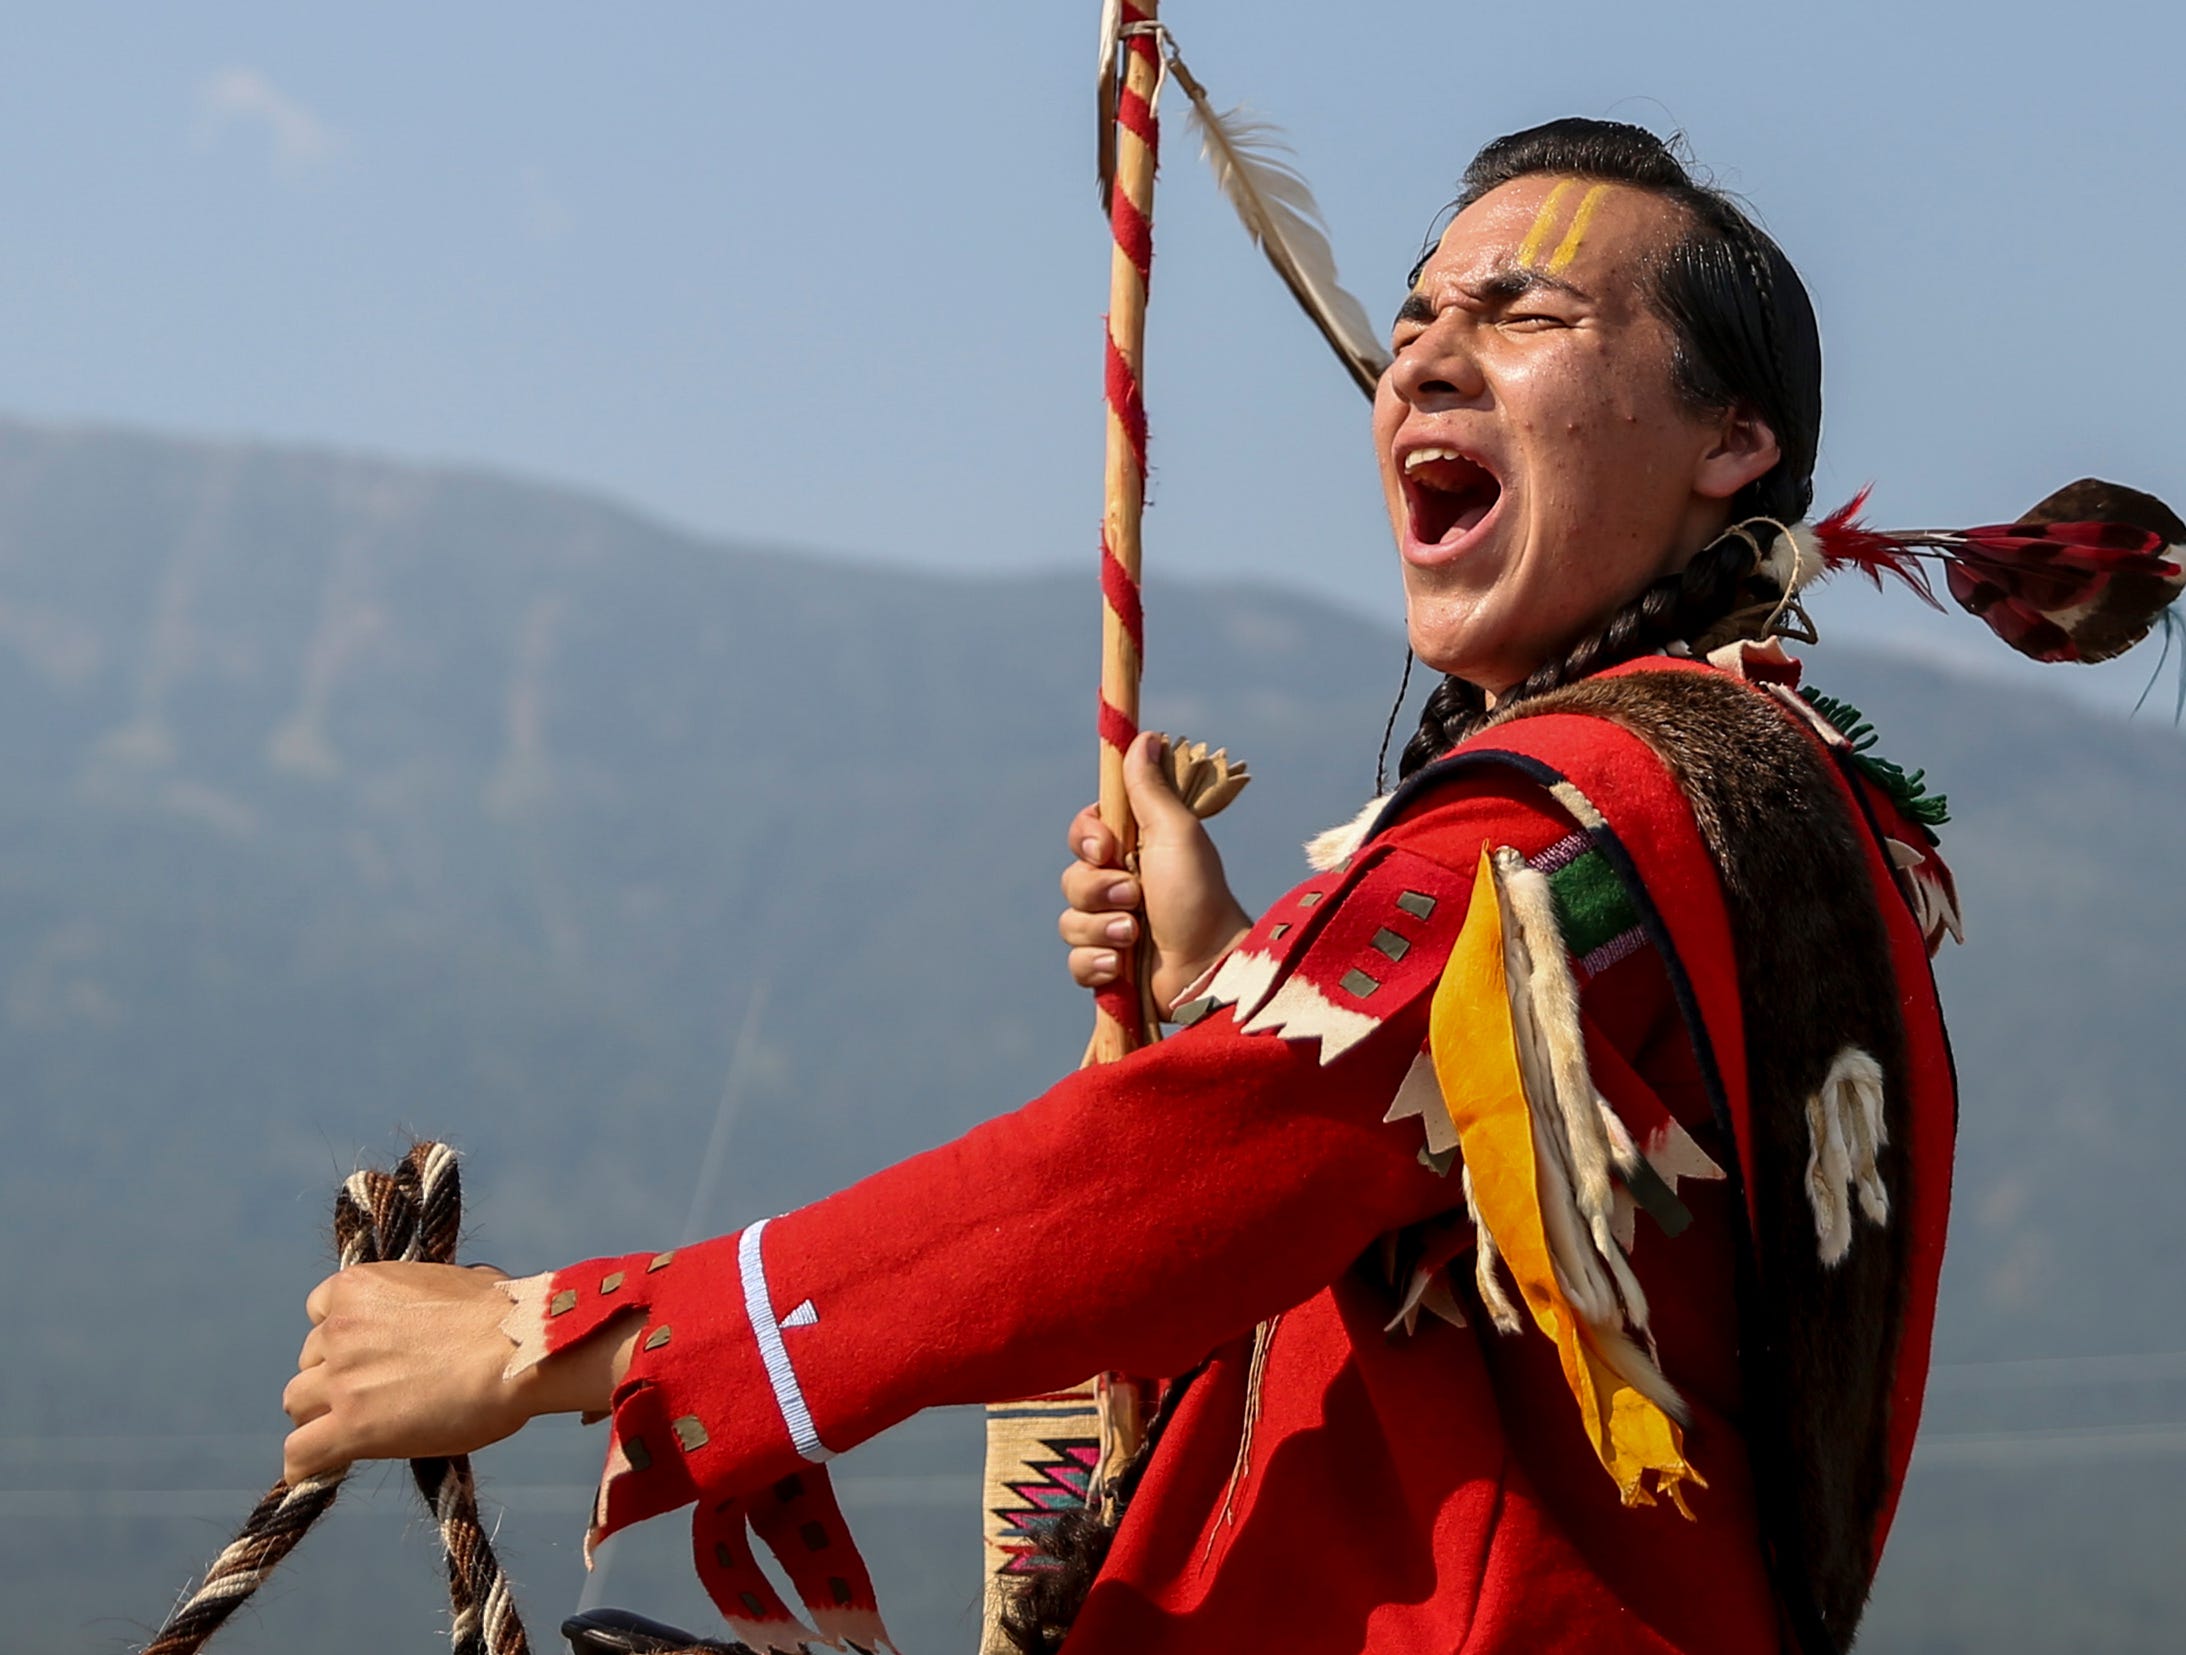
[[833, 276]]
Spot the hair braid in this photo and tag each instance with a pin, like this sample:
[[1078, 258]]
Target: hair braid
[[1784, 492], [1675, 609], [1764, 284], [1453, 708]]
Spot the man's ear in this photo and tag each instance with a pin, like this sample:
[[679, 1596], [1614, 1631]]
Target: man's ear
[[1744, 447]]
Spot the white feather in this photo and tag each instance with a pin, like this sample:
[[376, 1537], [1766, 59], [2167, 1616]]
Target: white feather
[[1111, 40], [1285, 223]]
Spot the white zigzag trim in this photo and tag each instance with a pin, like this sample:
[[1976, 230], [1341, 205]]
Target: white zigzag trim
[[1302, 1012], [1670, 1152], [1243, 980], [1673, 1153], [1933, 909], [1429, 1291], [1199, 985], [1419, 1095]]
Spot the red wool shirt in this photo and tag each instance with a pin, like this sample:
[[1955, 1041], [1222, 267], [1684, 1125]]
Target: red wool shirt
[[1429, 1490]]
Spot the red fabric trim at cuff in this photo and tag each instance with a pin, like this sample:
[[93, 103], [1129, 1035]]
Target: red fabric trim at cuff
[[697, 1419], [694, 1416]]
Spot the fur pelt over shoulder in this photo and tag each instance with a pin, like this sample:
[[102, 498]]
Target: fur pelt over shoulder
[[1818, 1339]]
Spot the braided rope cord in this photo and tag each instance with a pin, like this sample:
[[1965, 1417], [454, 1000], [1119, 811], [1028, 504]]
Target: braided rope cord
[[413, 1213]]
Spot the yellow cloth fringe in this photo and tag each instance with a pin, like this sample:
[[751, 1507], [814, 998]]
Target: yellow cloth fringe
[[1475, 1049]]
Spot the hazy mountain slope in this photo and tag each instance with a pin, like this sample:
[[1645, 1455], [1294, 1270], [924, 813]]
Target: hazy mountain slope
[[344, 797]]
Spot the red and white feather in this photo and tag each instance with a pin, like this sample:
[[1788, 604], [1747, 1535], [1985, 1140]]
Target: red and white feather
[[2083, 576]]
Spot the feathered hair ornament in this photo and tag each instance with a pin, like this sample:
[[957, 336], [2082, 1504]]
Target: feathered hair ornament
[[2084, 575]]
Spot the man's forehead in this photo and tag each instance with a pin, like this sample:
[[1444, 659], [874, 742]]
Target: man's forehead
[[1561, 227]]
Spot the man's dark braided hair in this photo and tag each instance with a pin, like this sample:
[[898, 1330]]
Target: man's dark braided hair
[[1745, 337]]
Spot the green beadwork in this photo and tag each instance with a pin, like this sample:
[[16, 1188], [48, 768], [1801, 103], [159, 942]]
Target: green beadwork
[[1909, 791], [1591, 905]]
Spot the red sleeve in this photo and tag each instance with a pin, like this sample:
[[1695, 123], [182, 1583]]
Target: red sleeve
[[1132, 1218]]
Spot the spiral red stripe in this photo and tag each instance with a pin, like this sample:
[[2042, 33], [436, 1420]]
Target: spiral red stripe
[[1117, 730], [1122, 593], [1134, 234], [1120, 1001], [1125, 403], [1131, 225], [1133, 113]]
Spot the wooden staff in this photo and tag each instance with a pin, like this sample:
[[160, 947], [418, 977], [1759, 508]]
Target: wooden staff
[[1124, 1017], [1024, 1439], [1042, 1449]]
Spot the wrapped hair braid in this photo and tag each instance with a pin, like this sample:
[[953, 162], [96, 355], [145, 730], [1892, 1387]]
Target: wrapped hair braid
[[1454, 709], [1675, 609], [1764, 284]]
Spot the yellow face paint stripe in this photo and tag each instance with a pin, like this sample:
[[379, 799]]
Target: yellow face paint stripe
[[1544, 223], [1568, 248]]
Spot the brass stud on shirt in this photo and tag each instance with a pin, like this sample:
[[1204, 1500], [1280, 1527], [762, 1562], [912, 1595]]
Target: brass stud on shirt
[[1357, 983], [639, 1456], [690, 1433], [658, 1337], [1391, 944], [611, 1281], [660, 1261], [563, 1302], [1418, 904]]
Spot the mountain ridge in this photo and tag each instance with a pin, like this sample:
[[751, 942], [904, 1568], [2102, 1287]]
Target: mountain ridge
[[345, 795]]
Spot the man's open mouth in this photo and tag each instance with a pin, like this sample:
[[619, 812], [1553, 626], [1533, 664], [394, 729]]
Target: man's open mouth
[[1447, 494]]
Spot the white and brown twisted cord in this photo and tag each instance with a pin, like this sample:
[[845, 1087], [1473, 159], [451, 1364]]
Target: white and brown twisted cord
[[412, 1213]]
